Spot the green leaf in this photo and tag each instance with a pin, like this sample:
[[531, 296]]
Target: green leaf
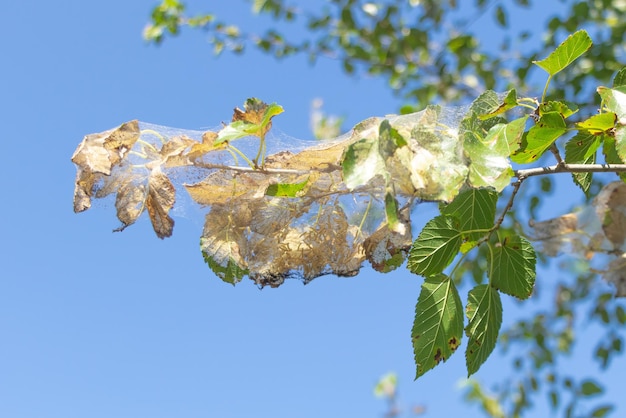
[[590, 388], [476, 210], [230, 272], [391, 212], [236, 130], [436, 246], [484, 311], [540, 137], [573, 47], [271, 111], [600, 123], [601, 411], [286, 189], [620, 78], [513, 267], [438, 326], [489, 158], [582, 149]]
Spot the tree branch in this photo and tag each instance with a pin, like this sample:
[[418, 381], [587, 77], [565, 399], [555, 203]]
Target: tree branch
[[570, 168]]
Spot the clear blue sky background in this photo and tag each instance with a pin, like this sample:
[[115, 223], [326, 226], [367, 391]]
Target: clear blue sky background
[[95, 324]]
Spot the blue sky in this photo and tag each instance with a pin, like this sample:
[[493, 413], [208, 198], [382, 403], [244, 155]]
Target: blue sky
[[96, 324]]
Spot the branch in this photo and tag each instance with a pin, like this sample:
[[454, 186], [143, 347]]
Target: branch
[[570, 168]]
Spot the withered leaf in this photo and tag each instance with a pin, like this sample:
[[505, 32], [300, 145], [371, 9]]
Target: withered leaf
[[172, 153], [222, 186], [386, 250], [160, 200], [96, 155], [253, 113], [611, 209], [616, 274]]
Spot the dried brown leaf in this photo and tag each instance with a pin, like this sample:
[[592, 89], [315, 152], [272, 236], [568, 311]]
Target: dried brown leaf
[[160, 200], [611, 210], [616, 274], [221, 187], [96, 155], [172, 153], [129, 202]]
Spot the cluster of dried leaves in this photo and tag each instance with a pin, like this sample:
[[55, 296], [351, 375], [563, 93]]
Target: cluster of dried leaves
[[292, 216], [599, 229]]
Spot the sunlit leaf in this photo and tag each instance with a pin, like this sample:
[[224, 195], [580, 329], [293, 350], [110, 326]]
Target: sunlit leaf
[[513, 267], [96, 155], [438, 326], [490, 165], [436, 246], [362, 162], [597, 124], [159, 202], [573, 47], [540, 137], [484, 311]]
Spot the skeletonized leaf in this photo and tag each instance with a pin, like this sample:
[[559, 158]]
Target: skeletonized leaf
[[222, 239], [386, 249], [484, 311], [513, 267], [438, 326], [573, 47], [436, 246]]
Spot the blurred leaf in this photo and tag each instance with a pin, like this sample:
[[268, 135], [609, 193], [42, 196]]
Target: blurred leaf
[[601, 411], [590, 388], [438, 326], [620, 78]]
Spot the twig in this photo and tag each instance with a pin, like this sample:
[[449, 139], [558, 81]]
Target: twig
[[555, 151], [509, 204], [570, 168]]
